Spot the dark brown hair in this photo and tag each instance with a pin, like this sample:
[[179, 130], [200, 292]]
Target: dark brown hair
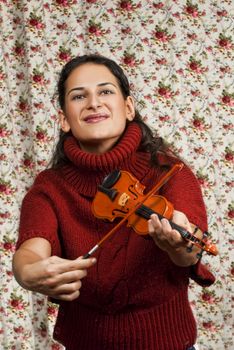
[[149, 142]]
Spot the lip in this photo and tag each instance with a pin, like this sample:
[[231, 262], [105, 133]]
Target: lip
[[95, 118]]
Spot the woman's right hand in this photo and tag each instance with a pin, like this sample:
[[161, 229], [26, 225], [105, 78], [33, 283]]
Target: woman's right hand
[[53, 276], [56, 277]]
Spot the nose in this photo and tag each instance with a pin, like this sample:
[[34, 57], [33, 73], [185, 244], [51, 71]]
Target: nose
[[94, 101]]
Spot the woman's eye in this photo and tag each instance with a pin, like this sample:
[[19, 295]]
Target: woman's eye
[[106, 92], [77, 97]]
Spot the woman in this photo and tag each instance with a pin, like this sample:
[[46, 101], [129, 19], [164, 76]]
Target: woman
[[133, 293]]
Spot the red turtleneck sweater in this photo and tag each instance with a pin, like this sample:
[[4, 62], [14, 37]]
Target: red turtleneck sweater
[[135, 297]]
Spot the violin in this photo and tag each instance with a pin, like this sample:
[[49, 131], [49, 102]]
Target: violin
[[122, 195]]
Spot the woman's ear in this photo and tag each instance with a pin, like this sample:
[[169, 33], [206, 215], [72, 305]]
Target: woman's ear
[[64, 125], [130, 108]]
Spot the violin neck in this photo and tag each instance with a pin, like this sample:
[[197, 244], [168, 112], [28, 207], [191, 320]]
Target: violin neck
[[146, 212]]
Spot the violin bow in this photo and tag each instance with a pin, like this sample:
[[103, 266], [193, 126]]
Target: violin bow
[[175, 169]]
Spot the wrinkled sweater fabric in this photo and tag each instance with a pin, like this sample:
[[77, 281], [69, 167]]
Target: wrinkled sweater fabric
[[135, 297]]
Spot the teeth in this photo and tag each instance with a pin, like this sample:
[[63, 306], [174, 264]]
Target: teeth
[[95, 117]]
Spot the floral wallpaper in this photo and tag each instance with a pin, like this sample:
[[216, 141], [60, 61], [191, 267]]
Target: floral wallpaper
[[179, 58]]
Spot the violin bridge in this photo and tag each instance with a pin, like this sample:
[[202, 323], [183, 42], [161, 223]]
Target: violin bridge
[[123, 199]]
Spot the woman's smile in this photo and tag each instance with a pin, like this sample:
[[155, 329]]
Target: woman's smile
[[95, 118]]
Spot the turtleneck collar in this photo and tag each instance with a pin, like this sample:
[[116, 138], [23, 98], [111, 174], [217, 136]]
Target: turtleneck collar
[[87, 170]]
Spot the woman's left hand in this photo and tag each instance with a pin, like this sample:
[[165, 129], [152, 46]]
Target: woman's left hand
[[171, 241]]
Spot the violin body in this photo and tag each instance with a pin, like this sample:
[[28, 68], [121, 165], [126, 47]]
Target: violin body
[[122, 196], [130, 193]]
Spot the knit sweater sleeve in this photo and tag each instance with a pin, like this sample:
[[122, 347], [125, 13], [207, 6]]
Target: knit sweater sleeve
[[38, 217], [184, 192]]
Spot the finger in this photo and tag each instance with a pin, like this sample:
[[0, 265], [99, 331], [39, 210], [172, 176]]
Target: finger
[[59, 265], [68, 288], [165, 236], [154, 224], [66, 277], [166, 228], [173, 236], [181, 219], [81, 263], [67, 297], [86, 262]]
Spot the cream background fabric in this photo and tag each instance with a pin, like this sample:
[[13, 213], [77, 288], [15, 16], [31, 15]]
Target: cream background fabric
[[178, 56]]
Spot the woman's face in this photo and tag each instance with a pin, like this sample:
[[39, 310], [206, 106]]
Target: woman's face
[[95, 110]]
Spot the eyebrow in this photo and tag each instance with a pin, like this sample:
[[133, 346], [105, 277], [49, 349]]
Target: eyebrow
[[82, 88]]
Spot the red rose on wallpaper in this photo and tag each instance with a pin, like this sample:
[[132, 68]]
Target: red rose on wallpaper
[[126, 5], [192, 36], [19, 49], [129, 60], [195, 93], [162, 35], [52, 310], [164, 90], [5, 188], [19, 330], [231, 213], [208, 325], [40, 135], [2, 75], [64, 54], [208, 297], [161, 61], [225, 42], [28, 163], [158, 5], [225, 69], [4, 132], [126, 30], [63, 3], [38, 78], [195, 65], [94, 28], [23, 104], [164, 118], [192, 10], [36, 22], [62, 26], [5, 215], [198, 123], [229, 154], [17, 303], [9, 246], [227, 98], [203, 179]]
